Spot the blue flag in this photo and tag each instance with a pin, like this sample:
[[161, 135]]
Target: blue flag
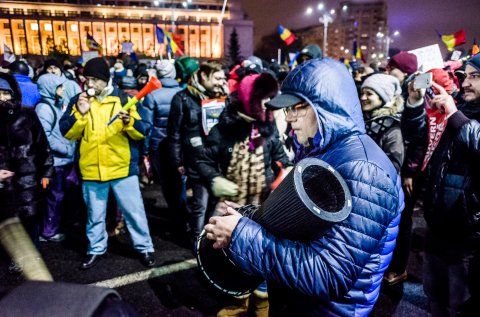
[[160, 35]]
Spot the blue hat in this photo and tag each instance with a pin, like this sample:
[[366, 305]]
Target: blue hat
[[4, 85], [475, 62]]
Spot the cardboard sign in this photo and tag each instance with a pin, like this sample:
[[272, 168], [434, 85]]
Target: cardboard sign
[[428, 57], [211, 110], [88, 55]]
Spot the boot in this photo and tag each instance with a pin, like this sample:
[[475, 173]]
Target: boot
[[240, 308], [260, 303]]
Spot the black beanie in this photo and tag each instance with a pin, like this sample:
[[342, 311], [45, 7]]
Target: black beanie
[[97, 67], [52, 62]]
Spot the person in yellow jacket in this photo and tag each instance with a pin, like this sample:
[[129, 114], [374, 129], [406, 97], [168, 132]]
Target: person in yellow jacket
[[108, 160]]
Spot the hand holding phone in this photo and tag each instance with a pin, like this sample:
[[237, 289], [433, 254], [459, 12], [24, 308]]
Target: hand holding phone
[[423, 81]]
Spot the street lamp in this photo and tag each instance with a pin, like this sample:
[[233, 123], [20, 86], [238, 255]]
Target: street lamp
[[388, 40], [325, 18]]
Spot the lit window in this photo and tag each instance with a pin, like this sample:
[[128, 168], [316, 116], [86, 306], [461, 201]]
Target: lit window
[[34, 26], [74, 28], [47, 27]]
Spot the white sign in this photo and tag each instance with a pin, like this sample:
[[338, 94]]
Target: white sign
[[88, 55], [456, 55], [428, 57]]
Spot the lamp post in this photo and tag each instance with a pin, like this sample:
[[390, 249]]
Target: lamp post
[[326, 18], [388, 39]]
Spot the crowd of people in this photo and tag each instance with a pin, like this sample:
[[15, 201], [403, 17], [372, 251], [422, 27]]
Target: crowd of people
[[217, 137]]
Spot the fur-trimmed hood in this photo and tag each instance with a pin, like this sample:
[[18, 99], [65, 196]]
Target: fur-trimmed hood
[[393, 108]]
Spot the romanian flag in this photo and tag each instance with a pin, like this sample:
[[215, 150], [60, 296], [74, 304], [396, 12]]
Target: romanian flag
[[451, 41], [285, 34], [358, 52], [475, 49], [167, 38], [92, 44]]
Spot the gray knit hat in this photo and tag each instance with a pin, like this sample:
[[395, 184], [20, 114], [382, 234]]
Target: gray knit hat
[[475, 62], [386, 86], [165, 69]]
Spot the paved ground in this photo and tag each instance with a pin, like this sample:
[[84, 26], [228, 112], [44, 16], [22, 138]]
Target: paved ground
[[175, 287]]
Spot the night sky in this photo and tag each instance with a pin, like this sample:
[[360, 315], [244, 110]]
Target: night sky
[[416, 20]]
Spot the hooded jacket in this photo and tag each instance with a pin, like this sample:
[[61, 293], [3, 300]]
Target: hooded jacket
[[339, 273], [106, 152], [24, 150], [30, 94], [49, 111]]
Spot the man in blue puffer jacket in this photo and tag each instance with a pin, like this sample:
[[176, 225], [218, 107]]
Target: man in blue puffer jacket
[[338, 274]]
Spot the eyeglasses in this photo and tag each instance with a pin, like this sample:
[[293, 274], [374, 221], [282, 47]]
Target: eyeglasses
[[299, 110]]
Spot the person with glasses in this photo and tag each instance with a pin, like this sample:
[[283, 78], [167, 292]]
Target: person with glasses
[[340, 272]]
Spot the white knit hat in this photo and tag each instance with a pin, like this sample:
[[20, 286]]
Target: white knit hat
[[165, 69], [386, 86]]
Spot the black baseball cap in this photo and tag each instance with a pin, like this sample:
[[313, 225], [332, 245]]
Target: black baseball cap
[[284, 100]]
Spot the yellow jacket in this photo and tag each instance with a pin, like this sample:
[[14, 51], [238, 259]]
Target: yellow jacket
[[106, 152]]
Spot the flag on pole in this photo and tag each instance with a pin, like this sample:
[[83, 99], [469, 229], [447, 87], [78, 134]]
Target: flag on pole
[[285, 34], [475, 49], [357, 52], [293, 59], [160, 35], [92, 44], [8, 55], [167, 38], [451, 41]]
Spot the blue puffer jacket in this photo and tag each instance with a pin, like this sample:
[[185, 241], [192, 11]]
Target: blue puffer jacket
[[30, 94], [156, 109], [340, 273]]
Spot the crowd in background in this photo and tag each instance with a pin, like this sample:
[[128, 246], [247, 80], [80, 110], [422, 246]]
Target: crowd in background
[[59, 153]]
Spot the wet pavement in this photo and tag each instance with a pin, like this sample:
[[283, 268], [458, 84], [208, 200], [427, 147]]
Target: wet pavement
[[175, 286]]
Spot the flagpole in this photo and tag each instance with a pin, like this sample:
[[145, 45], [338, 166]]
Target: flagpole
[[220, 23], [279, 56]]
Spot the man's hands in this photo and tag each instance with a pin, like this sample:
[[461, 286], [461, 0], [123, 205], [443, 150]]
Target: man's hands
[[5, 174], [415, 95], [124, 115], [408, 185], [443, 102], [83, 103], [220, 228]]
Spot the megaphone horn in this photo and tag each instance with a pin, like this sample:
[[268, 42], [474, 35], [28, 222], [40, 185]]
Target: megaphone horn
[[152, 85]]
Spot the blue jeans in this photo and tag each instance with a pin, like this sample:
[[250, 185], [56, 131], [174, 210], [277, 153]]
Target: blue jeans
[[129, 198]]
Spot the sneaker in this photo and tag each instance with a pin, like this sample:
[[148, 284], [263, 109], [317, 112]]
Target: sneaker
[[392, 278], [59, 237]]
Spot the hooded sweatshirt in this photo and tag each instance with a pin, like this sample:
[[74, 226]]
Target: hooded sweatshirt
[[49, 111]]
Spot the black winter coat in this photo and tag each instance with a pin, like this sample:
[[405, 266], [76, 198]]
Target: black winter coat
[[230, 130], [186, 138], [24, 150], [452, 188]]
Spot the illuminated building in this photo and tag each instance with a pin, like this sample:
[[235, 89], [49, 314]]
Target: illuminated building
[[352, 21], [39, 27]]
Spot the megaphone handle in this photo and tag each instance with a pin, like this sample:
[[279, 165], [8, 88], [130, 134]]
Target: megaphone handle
[[113, 119]]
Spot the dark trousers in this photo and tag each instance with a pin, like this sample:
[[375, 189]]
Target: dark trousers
[[173, 186], [63, 194], [404, 239]]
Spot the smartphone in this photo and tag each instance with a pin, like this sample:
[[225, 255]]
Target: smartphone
[[423, 81]]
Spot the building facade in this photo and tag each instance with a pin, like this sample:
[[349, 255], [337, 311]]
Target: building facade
[[40, 27], [360, 22]]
